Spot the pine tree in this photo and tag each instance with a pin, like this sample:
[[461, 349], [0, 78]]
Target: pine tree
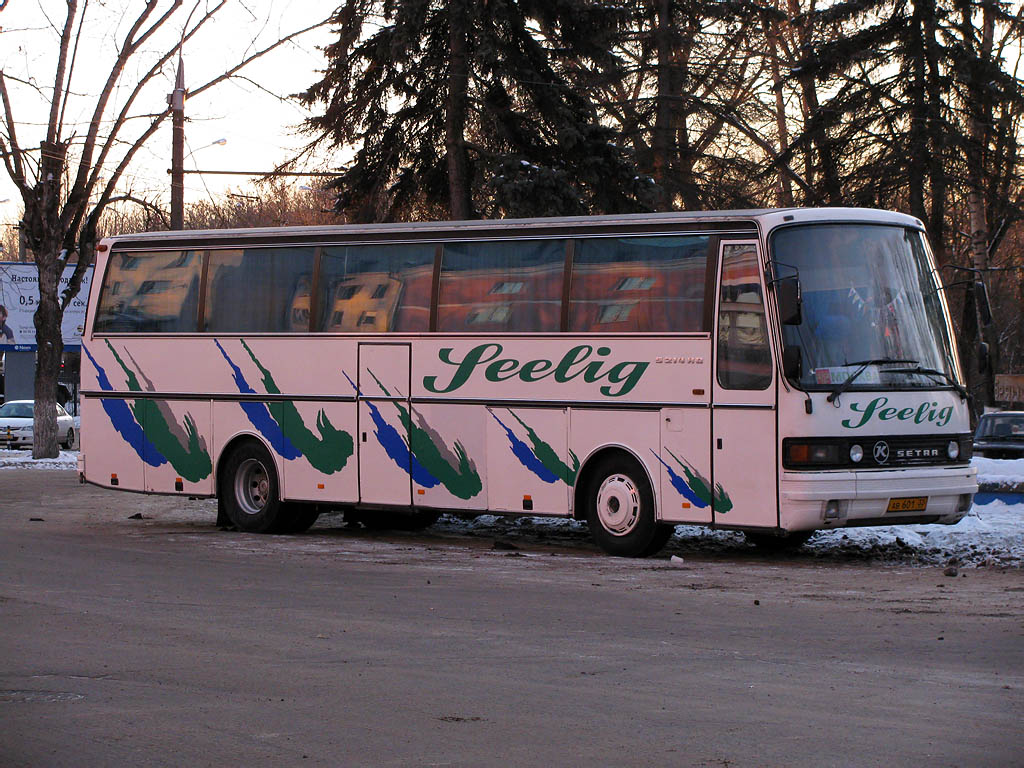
[[463, 109]]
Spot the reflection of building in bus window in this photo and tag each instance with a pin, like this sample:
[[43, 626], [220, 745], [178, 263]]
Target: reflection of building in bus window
[[299, 313], [364, 302]]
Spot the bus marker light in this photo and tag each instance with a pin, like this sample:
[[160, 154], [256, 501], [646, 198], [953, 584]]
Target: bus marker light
[[178, 484], [113, 479], [102, 247], [686, 505], [319, 486], [527, 502], [420, 491], [698, 391]]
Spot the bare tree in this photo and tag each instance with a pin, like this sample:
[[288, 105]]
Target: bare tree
[[68, 181]]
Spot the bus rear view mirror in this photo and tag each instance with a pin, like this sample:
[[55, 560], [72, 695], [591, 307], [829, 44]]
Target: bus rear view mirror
[[787, 292], [984, 360], [981, 299]]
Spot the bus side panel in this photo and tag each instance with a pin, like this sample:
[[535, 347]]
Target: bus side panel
[[685, 465], [529, 465], [108, 453], [178, 456], [328, 470], [449, 455], [636, 432]]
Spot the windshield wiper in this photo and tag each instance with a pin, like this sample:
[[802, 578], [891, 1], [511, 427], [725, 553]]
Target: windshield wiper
[[935, 374], [863, 366]]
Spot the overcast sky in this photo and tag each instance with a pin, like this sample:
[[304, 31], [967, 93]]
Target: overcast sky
[[258, 126]]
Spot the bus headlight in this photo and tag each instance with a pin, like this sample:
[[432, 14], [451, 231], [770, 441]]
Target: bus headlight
[[953, 449], [856, 453]]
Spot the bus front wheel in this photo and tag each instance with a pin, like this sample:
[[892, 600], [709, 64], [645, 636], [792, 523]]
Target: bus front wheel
[[620, 509], [248, 486]]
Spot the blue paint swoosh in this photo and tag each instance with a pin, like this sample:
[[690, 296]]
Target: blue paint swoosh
[[395, 446], [124, 421], [526, 456], [259, 414], [680, 485]]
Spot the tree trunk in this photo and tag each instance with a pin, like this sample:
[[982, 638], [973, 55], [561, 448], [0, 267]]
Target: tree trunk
[[980, 119], [49, 352], [784, 189], [459, 196]]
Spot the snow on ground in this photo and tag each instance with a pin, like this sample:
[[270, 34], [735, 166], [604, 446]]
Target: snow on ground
[[989, 535]]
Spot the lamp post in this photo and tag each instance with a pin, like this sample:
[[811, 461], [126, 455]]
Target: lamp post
[[176, 100]]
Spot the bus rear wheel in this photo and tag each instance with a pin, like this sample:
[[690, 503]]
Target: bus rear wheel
[[248, 486], [620, 509]]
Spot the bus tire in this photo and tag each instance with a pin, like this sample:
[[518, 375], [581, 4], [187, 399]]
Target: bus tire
[[248, 486], [770, 542], [620, 509]]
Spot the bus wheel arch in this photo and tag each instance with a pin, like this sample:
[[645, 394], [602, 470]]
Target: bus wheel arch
[[614, 493], [248, 486]]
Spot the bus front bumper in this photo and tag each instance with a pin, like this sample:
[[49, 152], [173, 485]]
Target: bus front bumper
[[834, 499]]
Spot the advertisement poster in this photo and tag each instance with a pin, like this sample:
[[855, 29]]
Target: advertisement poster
[[19, 295]]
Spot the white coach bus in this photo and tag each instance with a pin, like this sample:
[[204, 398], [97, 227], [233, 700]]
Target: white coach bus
[[774, 372]]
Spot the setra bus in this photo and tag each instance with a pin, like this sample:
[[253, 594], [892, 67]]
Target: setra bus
[[769, 371]]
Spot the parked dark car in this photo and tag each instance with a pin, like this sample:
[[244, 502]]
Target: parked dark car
[[1000, 435]]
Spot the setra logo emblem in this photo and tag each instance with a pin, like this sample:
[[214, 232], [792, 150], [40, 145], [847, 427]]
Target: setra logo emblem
[[881, 452]]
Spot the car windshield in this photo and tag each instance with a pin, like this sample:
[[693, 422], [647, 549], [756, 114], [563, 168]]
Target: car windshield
[[871, 307], [1002, 426], [16, 411]]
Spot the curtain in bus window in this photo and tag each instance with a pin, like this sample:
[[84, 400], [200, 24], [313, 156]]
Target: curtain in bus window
[[744, 360], [639, 284], [375, 288], [150, 292], [259, 290], [501, 286]]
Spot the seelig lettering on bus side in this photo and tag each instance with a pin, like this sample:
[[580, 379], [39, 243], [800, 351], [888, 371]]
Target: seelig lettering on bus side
[[927, 411], [576, 362]]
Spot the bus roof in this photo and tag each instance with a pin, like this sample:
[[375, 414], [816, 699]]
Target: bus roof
[[755, 219]]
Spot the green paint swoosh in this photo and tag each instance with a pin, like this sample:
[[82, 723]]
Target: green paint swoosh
[[462, 481], [699, 484], [548, 456], [328, 453], [191, 461]]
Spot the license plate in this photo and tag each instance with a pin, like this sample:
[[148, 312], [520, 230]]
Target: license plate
[[909, 504]]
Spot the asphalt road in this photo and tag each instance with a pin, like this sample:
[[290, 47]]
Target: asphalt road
[[165, 641]]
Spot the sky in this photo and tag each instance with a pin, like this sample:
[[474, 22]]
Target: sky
[[258, 125]]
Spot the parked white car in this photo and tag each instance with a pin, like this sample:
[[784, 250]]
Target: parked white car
[[16, 425]]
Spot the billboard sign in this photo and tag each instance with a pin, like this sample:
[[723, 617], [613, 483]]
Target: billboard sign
[[19, 295]]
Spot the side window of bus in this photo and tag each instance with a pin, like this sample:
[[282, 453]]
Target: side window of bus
[[375, 288], [150, 293], [501, 286], [258, 290], [744, 359], [639, 284]]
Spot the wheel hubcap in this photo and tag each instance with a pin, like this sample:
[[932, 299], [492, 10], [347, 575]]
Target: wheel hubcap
[[252, 486], [618, 504]]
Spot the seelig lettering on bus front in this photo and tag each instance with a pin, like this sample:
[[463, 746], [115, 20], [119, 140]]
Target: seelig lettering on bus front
[[576, 362]]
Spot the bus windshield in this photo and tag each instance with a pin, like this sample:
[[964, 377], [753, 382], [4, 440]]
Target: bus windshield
[[871, 308]]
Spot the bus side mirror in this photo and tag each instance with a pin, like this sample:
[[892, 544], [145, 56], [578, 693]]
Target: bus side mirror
[[787, 293], [792, 363], [981, 299], [983, 358]]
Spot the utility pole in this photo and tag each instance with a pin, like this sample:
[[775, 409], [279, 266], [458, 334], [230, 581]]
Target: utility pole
[[176, 100]]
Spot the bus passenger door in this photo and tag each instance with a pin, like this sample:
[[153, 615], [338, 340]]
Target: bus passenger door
[[385, 463], [743, 408]]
